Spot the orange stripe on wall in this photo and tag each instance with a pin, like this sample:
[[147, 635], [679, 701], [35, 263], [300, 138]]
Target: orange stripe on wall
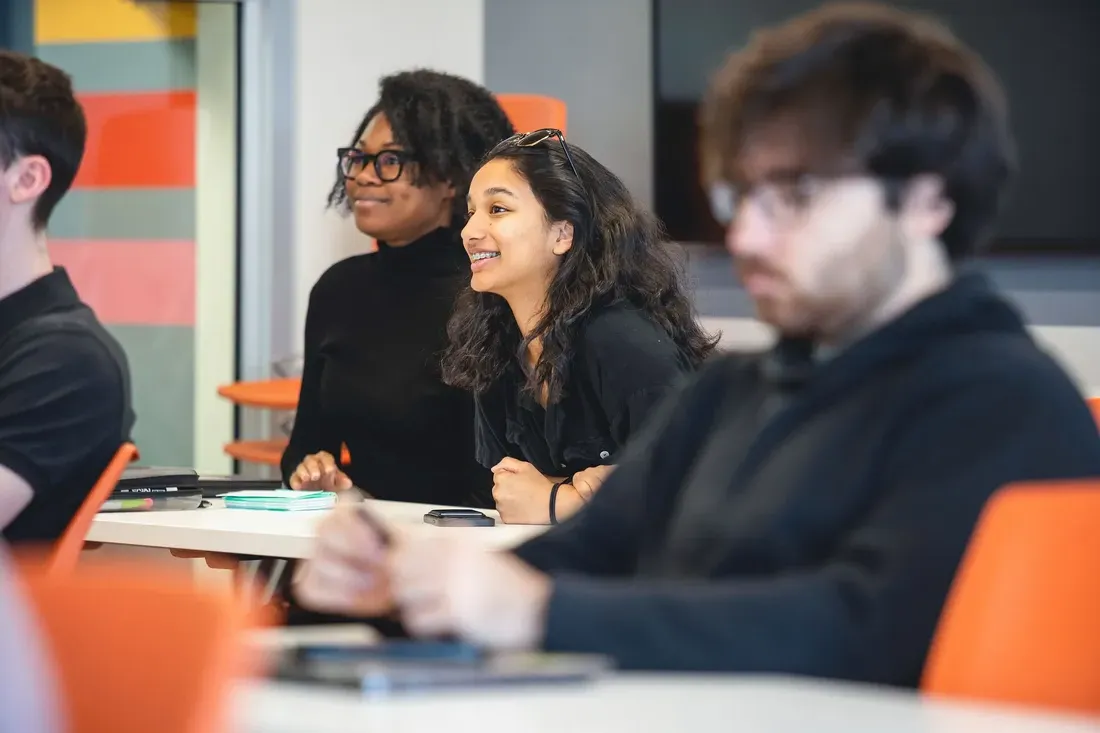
[[139, 140], [132, 282]]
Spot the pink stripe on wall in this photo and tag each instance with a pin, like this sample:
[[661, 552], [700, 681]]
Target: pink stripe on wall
[[132, 282]]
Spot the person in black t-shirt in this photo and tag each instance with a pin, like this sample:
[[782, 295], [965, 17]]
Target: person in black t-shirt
[[377, 323], [577, 323], [64, 381]]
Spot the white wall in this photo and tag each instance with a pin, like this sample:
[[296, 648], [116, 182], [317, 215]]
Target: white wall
[[343, 48], [310, 71], [597, 56], [215, 232]]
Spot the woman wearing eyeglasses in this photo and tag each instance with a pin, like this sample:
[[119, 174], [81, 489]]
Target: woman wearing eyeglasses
[[577, 323], [376, 324]]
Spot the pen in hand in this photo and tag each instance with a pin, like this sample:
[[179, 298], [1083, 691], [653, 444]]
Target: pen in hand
[[383, 534]]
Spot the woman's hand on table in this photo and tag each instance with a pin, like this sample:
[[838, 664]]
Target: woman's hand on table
[[521, 493], [588, 481], [319, 472], [349, 571]]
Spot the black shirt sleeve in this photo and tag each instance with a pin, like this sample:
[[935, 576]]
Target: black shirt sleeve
[[632, 365], [311, 433], [61, 403], [869, 611], [606, 538]]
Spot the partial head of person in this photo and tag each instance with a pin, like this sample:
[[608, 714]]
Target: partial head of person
[[855, 153], [407, 169], [42, 136], [552, 234]]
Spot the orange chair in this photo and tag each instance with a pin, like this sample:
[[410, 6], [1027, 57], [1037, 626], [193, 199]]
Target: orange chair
[[67, 550], [1022, 621], [267, 394], [267, 452], [1094, 403], [138, 648], [534, 111]]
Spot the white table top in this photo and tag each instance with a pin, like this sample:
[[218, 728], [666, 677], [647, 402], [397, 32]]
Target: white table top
[[269, 534], [640, 704]]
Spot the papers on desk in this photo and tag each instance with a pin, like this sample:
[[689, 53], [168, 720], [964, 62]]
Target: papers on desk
[[282, 500]]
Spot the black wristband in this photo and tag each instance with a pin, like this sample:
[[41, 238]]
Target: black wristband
[[554, 501]]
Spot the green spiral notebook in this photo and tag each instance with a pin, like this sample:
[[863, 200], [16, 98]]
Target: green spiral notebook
[[281, 500]]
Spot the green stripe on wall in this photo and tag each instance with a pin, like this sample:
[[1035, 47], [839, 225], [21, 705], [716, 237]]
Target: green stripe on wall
[[162, 371], [135, 66], [125, 213]]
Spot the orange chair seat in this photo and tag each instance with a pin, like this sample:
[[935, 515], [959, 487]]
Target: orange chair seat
[[185, 644], [1020, 623], [267, 452], [529, 112], [268, 394]]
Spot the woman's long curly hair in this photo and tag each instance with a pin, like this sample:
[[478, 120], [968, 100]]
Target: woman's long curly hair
[[446, 123], [620, 254]]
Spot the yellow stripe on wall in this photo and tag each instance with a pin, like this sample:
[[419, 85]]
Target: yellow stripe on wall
[[77, 21]]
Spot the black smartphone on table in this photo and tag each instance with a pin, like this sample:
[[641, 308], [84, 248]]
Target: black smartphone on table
[[458, 518]]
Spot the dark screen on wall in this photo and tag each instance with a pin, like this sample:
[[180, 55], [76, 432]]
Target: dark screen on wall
[[1046, 52]]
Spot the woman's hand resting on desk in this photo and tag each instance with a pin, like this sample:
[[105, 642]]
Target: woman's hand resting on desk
[[588, 481], [349, 571], [522, 494], [319, 472]]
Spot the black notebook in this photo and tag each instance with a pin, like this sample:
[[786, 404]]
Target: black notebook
[[160, 479]]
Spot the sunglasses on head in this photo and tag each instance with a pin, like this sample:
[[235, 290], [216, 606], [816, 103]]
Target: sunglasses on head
[[537, 137]]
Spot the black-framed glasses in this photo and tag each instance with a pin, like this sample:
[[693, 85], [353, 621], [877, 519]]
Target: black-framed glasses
[[388, 164], [536, 137], [782, 198]]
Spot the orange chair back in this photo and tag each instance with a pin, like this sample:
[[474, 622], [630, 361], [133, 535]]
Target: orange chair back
[[67, 551], [139, 648], [534, 111], [1022, 621], [1094, 403]]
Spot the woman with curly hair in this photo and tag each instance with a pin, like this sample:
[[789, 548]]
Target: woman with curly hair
[[376, 323], [576, 324]]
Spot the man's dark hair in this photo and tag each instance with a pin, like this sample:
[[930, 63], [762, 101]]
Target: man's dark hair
[[39, 115], [871, 89], [446, 123], [620, 254]]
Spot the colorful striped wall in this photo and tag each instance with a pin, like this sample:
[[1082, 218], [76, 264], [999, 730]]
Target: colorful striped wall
[[126, 232]]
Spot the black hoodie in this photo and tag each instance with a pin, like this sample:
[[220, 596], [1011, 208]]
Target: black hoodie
[[782, 516]]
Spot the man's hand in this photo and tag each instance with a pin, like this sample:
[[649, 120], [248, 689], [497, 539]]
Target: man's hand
[[455, 585], [521, 493], [348, 573], [319, 472]]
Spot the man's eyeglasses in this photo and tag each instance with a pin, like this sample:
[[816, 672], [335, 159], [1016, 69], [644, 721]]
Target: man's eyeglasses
[[782, 199], [388, 164], [536, 137]]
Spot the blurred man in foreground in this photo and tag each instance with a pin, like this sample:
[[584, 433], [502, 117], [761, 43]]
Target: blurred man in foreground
[[801, 510]]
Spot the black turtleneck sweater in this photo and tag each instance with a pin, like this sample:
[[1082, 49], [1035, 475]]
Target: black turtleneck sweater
[[375, 333], [784, 516]]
